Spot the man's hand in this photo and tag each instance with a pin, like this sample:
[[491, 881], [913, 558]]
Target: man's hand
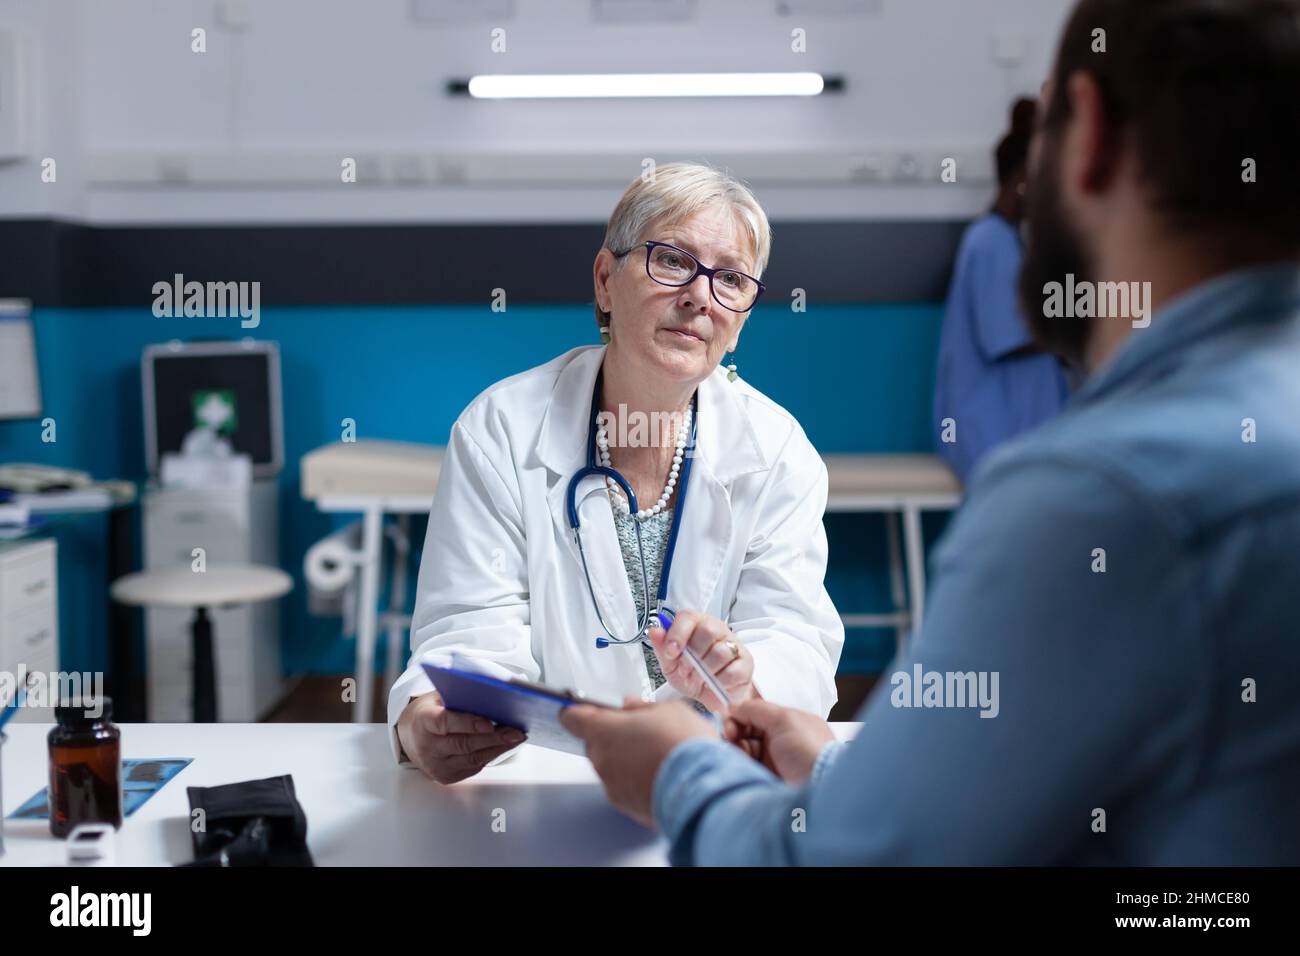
[[786, 741], [449, 745], [723, 654], [627, 746]]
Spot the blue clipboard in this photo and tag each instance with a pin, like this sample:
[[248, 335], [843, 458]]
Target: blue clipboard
[[532, 708]]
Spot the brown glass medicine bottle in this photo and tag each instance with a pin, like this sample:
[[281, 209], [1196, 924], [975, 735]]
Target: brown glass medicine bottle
[[85, 766]]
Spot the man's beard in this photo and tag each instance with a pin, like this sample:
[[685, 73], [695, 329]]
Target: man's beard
[[1052, 251]]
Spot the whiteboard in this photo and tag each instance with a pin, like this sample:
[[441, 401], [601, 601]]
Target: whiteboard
[[20, 387]]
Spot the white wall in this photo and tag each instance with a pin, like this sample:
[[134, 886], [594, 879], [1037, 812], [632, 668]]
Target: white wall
[[306, 82], [48, 35]]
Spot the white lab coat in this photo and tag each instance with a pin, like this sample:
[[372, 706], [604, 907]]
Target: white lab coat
[[501, 581]]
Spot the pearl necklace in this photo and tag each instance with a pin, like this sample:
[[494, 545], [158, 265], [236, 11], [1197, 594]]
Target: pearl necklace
[[615, 492]]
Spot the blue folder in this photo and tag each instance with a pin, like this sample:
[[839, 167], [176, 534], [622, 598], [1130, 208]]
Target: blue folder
[[532, 708]]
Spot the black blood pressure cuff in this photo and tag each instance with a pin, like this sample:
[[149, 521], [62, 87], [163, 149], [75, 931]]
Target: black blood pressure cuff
[[254, 823]]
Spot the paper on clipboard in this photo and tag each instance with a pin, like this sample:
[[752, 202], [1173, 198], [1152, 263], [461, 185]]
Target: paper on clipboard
[[532, 708]]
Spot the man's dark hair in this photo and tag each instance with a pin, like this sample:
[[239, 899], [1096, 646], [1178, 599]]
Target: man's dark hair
[[1013, 150], [1201, 86]]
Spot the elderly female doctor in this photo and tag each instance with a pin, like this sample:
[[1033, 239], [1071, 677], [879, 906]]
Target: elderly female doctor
[[729, 496]]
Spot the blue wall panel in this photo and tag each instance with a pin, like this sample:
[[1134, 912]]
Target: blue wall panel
[[859, 378]]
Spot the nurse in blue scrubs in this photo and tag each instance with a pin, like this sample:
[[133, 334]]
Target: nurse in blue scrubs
[[993, 382]]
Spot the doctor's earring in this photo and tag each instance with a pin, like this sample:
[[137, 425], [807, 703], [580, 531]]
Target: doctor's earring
[[731, 369], [604, 335]]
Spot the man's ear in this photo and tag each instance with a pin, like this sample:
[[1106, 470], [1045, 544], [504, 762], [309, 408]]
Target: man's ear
[[1091, 143]]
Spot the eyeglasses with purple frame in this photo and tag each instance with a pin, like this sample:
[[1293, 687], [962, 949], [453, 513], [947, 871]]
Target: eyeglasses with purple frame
[[700, 269]]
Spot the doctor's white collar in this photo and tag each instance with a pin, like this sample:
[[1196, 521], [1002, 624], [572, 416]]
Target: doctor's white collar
[[726, 443]]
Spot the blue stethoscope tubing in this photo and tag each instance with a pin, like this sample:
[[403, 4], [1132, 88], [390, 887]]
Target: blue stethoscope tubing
[[664, 614]]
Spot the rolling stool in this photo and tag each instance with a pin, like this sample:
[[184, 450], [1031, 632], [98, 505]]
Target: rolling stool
[[218, 586]]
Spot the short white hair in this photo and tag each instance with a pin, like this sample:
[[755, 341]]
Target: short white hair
[[671, 194]]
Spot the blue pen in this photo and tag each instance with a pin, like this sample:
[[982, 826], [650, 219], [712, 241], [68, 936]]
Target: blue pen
[[666, 618], [11, 708]]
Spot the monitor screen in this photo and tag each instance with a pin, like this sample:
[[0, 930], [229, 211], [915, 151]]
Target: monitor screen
[[20, 386], [232, 389]]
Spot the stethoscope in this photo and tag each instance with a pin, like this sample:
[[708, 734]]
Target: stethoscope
[[664, 614]]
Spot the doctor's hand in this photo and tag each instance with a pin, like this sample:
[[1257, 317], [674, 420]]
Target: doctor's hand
[[627, 746], [449, 745], [784, 740], [724, 655]]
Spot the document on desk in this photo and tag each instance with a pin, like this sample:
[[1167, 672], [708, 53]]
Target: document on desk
[[532, 708], [141, 779]]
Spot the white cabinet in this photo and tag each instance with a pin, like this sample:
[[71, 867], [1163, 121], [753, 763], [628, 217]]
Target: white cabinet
[[231, 526], [29, 613]]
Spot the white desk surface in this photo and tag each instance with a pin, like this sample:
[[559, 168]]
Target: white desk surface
[[362, 809]]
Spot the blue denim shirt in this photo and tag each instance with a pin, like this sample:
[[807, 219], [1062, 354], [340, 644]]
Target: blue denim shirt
[[1130, 573]]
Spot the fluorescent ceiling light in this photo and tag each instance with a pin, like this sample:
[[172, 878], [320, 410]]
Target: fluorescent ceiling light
[[570, 85]]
